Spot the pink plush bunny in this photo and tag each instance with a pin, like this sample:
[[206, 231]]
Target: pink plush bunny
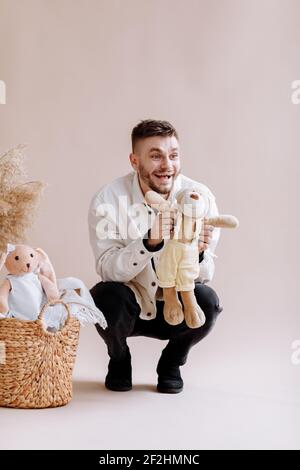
[[30, 280]]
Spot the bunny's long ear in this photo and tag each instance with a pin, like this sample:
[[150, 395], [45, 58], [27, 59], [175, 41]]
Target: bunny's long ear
[[157, 201], [2, 260], [152, 197], [179, 195], [45, 265]]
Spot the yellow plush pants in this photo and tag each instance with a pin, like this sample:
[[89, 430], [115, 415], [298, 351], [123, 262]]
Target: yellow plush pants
[[178, 265]]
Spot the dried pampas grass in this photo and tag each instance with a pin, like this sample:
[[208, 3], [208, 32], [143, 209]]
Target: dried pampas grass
[[18, 200]]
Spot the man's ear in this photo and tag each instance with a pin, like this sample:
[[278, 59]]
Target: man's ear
[[133, 160]]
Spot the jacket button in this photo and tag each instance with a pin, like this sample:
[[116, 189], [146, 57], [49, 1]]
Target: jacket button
[[134, 264], [149, 212], [149, 314], [153, 283], [142, 252]]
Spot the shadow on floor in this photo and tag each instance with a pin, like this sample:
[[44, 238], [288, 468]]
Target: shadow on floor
[[87, 389]]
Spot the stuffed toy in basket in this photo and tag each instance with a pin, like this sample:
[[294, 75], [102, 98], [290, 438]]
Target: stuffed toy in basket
[[36, 367], [40, 315], [40, 319]]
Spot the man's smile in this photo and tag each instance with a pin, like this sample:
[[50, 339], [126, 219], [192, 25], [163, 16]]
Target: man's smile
[[163, 177]]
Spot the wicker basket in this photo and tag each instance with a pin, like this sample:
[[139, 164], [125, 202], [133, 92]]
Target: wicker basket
[[36, 366]]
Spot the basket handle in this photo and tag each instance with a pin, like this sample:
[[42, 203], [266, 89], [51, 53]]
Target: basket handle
[[50, 304]]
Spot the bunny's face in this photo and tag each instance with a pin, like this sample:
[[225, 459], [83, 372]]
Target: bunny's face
[[22, 260], [192, 203]]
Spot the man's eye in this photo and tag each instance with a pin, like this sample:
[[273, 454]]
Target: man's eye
[[155, 156], [174, 156]]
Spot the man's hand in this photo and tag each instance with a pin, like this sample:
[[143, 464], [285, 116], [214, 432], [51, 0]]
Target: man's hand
[[205, 235], [162, 228]]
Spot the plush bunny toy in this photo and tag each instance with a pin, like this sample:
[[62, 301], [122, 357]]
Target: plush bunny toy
[[30, 282], [179, 262]]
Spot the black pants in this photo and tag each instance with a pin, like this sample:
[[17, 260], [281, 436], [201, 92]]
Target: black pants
[[121, 311]]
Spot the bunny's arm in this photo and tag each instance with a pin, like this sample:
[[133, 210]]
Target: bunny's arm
[[49, 287], [224, 221], [4, 291]]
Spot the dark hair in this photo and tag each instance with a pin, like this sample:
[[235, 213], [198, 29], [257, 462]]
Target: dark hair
[[150, 128]]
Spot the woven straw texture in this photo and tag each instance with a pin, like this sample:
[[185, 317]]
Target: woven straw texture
[[37, 368]]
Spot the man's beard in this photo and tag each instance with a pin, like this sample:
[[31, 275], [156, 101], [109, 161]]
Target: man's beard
[[159, 188]]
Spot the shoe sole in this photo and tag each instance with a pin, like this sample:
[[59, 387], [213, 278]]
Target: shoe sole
[[118, 389], [169, 390]]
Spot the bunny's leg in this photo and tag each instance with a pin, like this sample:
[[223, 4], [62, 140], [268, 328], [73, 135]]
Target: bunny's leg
[[188, 271], [166, 274], [173, 313], [193, 314]]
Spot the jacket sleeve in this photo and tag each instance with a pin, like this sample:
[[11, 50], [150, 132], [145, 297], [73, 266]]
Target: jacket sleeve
[[115, 261], [207, 265]]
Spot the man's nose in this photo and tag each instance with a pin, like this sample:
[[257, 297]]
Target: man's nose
[[166, 163]]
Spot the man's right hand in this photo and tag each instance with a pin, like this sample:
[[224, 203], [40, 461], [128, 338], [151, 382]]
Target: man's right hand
[[162, 228]]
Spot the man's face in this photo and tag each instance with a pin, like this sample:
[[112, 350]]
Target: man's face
[[157, 162]]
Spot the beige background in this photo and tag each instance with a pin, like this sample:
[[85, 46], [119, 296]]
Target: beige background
[[79, 75]]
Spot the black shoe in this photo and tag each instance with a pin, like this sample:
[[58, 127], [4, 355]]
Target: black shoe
[[119, 376], [169, 378]]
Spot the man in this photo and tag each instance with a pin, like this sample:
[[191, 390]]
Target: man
[[127, 237]]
